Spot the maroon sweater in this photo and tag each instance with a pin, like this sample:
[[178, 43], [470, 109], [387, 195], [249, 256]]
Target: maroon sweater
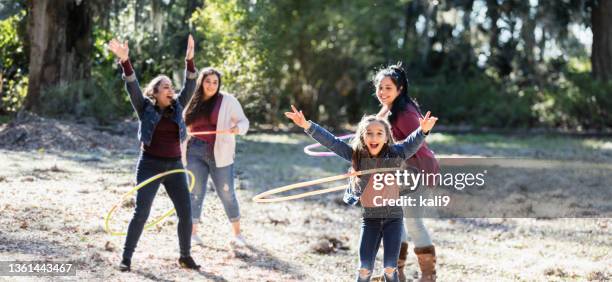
[[166, 141], [406, 122], [202, 123]]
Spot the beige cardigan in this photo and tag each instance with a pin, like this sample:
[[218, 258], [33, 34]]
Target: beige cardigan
[[230, 114]]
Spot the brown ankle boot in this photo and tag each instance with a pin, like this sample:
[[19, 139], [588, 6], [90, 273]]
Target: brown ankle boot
[[427, 263], [401, 261]]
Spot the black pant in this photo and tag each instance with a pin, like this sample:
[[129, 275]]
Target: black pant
[[177, 189]]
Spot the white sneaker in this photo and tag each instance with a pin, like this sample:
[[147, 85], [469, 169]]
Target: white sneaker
[[196, 240], [238, 242]]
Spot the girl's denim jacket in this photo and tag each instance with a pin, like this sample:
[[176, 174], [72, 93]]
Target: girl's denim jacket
[[149, 115], [394, 157]]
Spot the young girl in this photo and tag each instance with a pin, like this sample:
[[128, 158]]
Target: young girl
[[161, 128], [208, 154], [372, 145], [403, 113]]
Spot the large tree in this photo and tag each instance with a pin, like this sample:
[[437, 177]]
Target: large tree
[[601, 57], [60, 45]]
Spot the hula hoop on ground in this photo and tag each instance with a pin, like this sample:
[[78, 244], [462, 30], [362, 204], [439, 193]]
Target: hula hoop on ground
[[138, 187], [308, 149], [260, 198]]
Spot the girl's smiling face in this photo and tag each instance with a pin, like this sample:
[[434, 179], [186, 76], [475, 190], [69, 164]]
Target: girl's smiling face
[[375, 137], [386, 91]]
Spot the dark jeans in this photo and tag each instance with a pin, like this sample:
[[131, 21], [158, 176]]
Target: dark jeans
[[177, 189], [373, 230]]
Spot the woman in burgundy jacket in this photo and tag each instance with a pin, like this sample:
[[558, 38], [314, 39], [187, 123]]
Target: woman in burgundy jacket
[[403, 113]]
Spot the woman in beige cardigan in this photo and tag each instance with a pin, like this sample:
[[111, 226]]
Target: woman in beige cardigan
[[213, 154]]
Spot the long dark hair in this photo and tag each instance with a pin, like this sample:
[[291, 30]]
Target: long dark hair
[[197, 105], [397, 74]]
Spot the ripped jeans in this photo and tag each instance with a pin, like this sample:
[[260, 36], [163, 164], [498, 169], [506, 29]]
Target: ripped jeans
[[373, 231], [201, 162]]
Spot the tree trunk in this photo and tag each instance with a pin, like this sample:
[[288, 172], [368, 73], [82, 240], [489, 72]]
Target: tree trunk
[[157, 17], [430, 14], [528, 63], [467, 57], [493, 15], [410, 17], [60, 45], [601, 55]]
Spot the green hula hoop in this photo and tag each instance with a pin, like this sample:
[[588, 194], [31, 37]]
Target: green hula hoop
[[138, 187]]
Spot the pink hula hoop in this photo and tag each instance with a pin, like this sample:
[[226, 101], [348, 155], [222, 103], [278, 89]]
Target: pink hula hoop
[[308, 149]]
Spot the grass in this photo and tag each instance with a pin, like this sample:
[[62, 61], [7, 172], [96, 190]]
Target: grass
[[539, 146], [58, 215]]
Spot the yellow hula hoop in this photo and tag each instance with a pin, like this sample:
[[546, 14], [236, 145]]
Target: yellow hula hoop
[[138, 187], [261, 198]]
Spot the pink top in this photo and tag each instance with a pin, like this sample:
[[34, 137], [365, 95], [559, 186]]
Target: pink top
[[203, 124], [404, 125]]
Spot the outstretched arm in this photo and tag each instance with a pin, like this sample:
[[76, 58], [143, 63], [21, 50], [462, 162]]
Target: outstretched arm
[[321, 135], [122, 51], [190, 73]]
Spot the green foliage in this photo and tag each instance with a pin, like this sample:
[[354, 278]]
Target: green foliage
[[227, 45], [157, 43], [13, 63], [577, 101], [101, 97], [321, 55], [316, 55], [478, 101], [94, 98]]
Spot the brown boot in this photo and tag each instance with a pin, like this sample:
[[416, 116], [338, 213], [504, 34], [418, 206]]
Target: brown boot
[[401, 261], [427, 263]]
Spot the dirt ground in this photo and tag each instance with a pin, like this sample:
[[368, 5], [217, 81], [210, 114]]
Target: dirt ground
[[58, 180]]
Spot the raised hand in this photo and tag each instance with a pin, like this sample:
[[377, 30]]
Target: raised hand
[[427, 122], [190, 48], [298, 118], [121, 50]]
